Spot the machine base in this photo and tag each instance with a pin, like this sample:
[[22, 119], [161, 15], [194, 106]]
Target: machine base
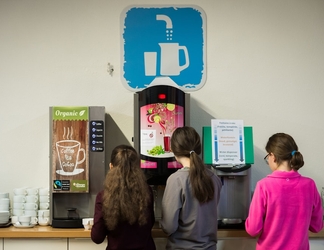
[[67, 223], [222, 225]]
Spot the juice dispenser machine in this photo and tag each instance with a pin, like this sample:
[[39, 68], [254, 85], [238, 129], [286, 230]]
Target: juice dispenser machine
[[77, 163], [158, 111]]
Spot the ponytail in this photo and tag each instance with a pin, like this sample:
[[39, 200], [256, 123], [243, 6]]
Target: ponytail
[[202, 185], [284, 148], [185, 142]]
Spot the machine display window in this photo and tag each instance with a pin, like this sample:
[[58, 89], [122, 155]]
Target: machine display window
[[157, 123]]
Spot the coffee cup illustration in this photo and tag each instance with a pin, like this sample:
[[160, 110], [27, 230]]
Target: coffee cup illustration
[[68, 152], [170, 62]]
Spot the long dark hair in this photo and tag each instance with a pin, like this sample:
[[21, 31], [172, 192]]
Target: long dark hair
[[126, 194], [284, 148], [185, 142]]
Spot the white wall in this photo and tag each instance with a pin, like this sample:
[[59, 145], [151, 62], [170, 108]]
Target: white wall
[[264, 66]]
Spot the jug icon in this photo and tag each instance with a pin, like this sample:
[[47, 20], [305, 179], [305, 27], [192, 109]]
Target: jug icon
[[170, 59]]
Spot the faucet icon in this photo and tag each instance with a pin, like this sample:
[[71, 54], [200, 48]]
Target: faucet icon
[[168, 24], [166, 19]]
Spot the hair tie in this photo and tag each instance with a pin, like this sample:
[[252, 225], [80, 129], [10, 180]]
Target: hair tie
[[293, 152], [192, 151]]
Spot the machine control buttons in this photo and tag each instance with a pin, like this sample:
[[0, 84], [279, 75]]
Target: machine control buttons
[[96, 136]]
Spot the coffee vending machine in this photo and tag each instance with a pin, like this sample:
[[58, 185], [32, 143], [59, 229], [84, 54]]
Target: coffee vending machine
[[158, 111], [77, 163]]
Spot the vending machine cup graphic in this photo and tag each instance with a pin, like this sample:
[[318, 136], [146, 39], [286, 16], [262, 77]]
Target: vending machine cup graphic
[[167, 143], [68, 152]]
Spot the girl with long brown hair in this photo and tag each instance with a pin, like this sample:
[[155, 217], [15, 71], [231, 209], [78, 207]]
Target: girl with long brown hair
[[124, 209], [191, 196]]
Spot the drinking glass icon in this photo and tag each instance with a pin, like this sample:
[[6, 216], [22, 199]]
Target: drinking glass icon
[[150, 63]]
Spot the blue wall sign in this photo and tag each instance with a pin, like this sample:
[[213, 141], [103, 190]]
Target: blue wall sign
[[165, 46]]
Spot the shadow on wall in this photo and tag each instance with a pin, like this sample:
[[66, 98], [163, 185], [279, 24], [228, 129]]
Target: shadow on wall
[[199, 117], [114, 137]]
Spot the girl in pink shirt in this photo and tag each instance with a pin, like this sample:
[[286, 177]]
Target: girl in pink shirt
[[285, 205]]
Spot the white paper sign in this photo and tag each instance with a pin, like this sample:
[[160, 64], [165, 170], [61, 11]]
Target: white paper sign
[[227, 142], [148, 138]]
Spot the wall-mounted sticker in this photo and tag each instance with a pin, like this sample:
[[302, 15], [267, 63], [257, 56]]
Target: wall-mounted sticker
[[163, 45]]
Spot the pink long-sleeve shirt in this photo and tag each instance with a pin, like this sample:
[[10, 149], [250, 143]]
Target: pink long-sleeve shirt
[[285, 205]]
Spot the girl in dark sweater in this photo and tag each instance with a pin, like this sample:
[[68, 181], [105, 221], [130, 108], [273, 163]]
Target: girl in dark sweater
[[124, 209]]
